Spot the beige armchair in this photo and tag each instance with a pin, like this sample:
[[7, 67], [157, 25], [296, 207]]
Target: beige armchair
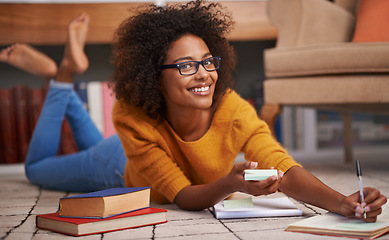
[[316, 64]]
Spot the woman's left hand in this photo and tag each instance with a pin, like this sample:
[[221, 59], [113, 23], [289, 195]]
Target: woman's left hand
[[374, 200]]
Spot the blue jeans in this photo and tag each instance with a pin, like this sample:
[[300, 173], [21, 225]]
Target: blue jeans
[[98, 165]]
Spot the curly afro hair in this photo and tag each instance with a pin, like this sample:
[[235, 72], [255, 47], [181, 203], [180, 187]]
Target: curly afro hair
[[142, 42]]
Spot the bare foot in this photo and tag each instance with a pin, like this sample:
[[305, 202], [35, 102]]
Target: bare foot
[[74, 60], [5, 52], [29, 59]]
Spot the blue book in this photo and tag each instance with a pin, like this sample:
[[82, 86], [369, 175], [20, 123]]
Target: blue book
[[81, 89], [105, 203]]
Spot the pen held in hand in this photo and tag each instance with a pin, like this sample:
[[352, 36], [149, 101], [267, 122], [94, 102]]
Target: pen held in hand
[[359, 175]]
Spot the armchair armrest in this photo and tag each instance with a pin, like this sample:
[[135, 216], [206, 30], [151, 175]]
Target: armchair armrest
[[305, 22]]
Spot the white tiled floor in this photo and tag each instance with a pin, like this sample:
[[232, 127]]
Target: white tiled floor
[[20, 202]]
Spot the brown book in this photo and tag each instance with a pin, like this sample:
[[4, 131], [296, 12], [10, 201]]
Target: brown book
[[68, 144], [21, 120], [2, 144], [8, 128], [105, 203], [87, 226], [36, 98]]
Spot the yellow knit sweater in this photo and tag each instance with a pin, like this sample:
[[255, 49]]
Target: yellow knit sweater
[[159, 158]]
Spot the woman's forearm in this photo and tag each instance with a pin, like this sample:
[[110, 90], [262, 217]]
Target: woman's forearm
[[303, 186], [199, 197]]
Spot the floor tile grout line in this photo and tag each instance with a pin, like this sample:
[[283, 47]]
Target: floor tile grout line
[[25, 219], [310, 208], [225, 226], [191, 235], [153, 232]]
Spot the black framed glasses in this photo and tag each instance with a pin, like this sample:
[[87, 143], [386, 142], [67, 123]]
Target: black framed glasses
[[191, 67]]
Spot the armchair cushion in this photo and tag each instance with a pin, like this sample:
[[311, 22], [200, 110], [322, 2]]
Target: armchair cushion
[[337, 89], [372, 21], [322, 59], [303, 22]]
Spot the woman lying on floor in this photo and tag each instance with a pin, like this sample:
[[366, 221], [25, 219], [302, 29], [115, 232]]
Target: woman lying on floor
[[180, 124]]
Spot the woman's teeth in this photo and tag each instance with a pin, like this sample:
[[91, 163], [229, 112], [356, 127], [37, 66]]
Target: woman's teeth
[[202, 89]]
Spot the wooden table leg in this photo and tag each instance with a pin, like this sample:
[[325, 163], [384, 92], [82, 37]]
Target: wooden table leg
[[269, 113], [347, 136]]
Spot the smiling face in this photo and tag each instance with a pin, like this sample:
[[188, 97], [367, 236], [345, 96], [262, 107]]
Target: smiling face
[[190, 91]]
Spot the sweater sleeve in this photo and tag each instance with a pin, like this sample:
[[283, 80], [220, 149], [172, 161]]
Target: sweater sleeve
[[149, 160], [259, 145]]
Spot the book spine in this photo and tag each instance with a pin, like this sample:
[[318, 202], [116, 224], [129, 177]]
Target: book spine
[[35, 102], [81, 89], [22, 120], [68, 144], [95, 104], [8, 128]]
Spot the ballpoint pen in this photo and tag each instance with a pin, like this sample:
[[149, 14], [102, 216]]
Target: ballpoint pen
[[359, 175]]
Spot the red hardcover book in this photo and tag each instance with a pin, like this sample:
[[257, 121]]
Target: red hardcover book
[[21, 120], [8, 127], [87, 226], [36, 98]]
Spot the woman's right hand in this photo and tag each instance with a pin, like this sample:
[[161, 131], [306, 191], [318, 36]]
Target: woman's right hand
[[191, 196], [255, 188]]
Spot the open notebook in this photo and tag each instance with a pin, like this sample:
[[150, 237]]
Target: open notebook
[[256, 207], [336, 225]]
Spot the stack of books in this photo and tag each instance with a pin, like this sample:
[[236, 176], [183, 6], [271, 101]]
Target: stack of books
[[103, 211]]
